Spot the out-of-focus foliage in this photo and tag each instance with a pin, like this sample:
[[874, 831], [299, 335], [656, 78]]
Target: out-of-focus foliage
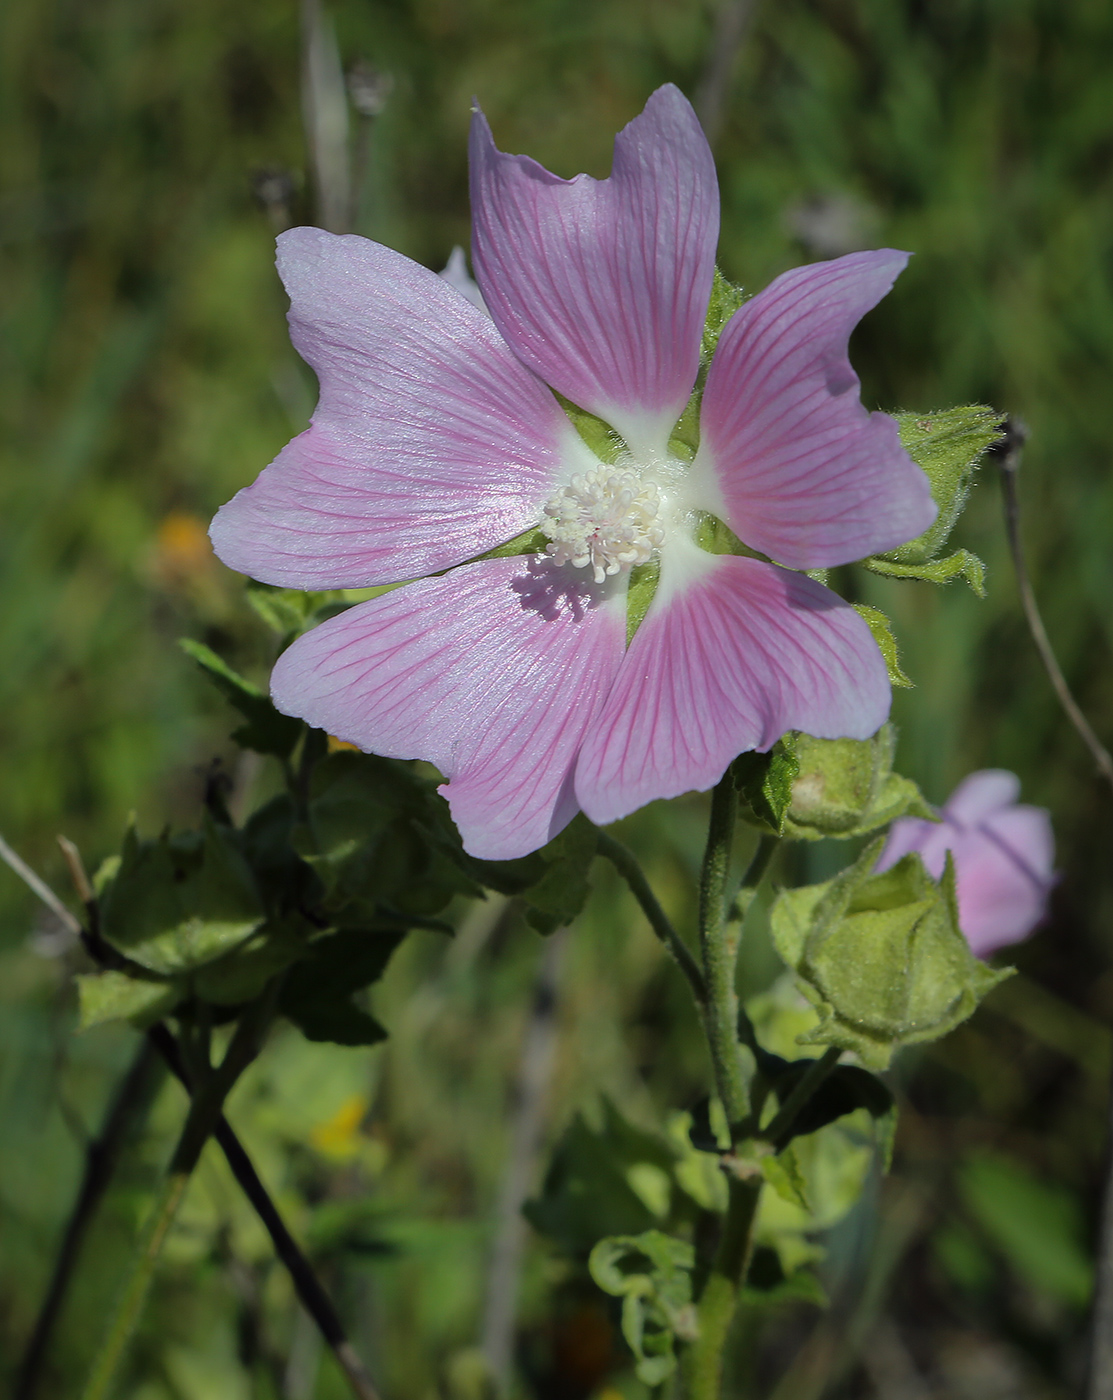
[[148, 152]]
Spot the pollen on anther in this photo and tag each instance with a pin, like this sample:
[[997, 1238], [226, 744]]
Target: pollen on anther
[[605, 520]]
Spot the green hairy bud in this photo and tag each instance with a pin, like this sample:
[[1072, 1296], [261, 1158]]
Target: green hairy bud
[[881, 957], [847, 787]]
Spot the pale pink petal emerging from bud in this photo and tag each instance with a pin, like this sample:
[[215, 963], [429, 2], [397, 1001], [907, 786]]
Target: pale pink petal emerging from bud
[[436, 438], [1003, 853]]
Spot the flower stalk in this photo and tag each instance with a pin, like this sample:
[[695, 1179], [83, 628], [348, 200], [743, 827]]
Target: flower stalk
[[627, 866], [720, 930], [719, 952]]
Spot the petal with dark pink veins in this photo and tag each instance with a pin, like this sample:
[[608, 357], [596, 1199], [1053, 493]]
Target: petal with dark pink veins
[[602, 286], [431, 443], [788, 456], [732, 653], [493, 673]]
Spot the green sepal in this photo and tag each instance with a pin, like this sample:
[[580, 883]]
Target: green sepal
[[726, 298], [847, 787], [947, 446], [882, 630], [765, 784], [652, 1274], [318, 998], [531, 541], [181, 901], [961, 564], [881, 957], [639, 594], [607, 445], [266, 731], [114, 996]]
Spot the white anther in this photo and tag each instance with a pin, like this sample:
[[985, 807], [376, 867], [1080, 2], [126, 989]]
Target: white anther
[[604, 520]]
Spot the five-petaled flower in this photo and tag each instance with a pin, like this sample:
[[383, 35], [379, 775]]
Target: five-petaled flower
[[1002, 851], [437, 437]]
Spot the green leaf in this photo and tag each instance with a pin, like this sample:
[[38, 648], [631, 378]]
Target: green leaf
[[882, 630], [948, 447], [114, 996], [241, 975], [284, 610], [266, 731], [961, 564], [1036, 1225], [847, 787], [318, 997], [562, 891], [880, 956], [783, 1174], [768, 1285], [652, 1274], [592, 1187], [765, 783], [180, 902], [378, 835]]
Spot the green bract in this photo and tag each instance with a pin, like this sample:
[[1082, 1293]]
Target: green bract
[[881, 957]]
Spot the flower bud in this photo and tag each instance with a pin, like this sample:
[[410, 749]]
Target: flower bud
[[847, 787], [880, 956]]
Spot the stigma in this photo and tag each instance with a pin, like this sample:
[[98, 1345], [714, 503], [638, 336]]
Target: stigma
[[604, 520]]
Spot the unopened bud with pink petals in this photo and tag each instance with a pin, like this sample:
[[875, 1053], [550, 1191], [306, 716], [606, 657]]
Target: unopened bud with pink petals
[[1003, 853]]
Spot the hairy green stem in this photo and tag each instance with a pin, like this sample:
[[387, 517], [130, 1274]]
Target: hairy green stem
[[703, 1359], [718, 953], [627, 866], [720, 930]]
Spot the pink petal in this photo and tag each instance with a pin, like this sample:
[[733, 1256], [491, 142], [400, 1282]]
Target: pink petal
[[788, 456], [981, 793], [1003, 856], [492, 673], [732, 653], [1003, 877], [431, 442], [602, 286], [455, 273]]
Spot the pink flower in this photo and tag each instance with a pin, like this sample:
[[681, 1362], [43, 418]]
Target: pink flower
[[1002, 852], [437, 437]]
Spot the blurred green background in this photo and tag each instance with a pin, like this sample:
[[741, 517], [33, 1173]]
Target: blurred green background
[[149, 150]]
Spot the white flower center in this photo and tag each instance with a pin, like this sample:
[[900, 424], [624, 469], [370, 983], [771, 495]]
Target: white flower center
[[604, 519]]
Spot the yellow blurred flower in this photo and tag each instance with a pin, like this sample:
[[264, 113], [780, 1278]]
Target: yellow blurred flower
[[339, 1136]]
